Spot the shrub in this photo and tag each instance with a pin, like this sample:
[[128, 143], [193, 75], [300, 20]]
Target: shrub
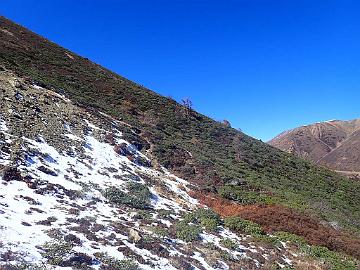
[[56, 252], [264, 238], [162, 213], [147, 239], [187, 232], [209, 224], [113, 263], [27, 266], [334, 260], [228, 243], [244, 196], [226, 256], [143, 214], [211, 246], [289, 237], [139, 191], [242, 225], [205, 217], [161, 232], [138, 196]]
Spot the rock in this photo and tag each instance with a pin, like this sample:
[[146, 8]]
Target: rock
[[134, 236]]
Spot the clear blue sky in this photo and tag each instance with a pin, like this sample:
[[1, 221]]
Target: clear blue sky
[[265, 66]]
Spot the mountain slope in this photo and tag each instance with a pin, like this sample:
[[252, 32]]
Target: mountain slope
[[212, 157], [75, 195], [334, 144]]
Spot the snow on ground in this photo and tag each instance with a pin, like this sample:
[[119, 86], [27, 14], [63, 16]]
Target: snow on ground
[[55, 187], [23, 224]]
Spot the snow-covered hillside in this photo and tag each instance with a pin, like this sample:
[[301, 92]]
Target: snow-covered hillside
[[74, 194]]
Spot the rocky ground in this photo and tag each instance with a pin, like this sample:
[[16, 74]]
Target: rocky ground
[[75, 194]]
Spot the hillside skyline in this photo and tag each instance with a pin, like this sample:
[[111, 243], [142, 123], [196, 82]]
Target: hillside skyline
[[264, 67], [99, 172]]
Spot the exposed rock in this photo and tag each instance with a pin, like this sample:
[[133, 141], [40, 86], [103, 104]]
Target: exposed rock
[[134, 235]]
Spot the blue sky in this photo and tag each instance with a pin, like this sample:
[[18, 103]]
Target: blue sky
[[266, 66]]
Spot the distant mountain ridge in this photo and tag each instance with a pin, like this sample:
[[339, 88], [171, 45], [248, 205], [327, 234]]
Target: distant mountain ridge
[[334, 144]]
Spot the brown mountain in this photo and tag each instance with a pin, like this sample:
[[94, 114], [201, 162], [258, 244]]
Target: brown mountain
[[334, 144]]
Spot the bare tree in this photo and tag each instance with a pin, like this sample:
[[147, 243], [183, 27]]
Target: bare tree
[[187, 103], [226, 123], [187, 107]]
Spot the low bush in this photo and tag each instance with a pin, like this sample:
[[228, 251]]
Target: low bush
[[207, 218], [165, 214], [244, 196], [143, 214], [161, 232], [228, 243], [333, 260], [139, 191], [56, 252], [242, 225], [111, 263], [138, 196], [290, 237], [187, 232], [26, 266], [210, 224]]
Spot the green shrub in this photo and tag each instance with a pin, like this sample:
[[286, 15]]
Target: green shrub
[[161, 232], [162, 213], [211, 246], [116, 264], [334, 260], [289, 237], [139, 191], [187, 232], [205, 217], [138, 196], [209, 224], [228, 243], [148, 239], [143, 214], [244, 196], [264, 238], [242, 225], [57, 251], [226, 256], [28, 266]]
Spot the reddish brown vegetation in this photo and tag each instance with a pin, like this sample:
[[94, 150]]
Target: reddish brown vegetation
[[274, 218]]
